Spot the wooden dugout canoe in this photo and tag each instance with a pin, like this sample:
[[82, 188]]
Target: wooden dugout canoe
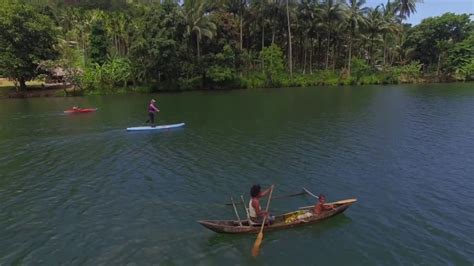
[[280, 222]]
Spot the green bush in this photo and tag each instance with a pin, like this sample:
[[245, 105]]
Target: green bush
[[272, 58], [193, 83], [114, 72], [370, 79], [466, 71], [254, 80], [359, 69], [220, 74], [407, 73]]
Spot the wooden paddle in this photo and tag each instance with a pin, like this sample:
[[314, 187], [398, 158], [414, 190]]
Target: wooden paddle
[[346, 201], [258, 241], [309, 193]]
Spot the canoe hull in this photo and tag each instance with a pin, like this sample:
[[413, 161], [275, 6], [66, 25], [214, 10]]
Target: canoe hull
[[80, 111], [156, 127], [233, 227]]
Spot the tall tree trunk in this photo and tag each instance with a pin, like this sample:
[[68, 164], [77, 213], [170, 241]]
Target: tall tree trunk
[[290, 63], [117, 49], [83, 50], [334, 47], [327, 49], [304, 58], [22, 82], [384, 49], [438, 67], [350, 56], [241, 24], [401, 39], [273, 35], [263, 29], [371, 49], [311, 57], [263, 41], [197, 45]]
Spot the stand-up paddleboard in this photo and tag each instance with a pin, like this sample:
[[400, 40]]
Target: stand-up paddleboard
[[155, 128]]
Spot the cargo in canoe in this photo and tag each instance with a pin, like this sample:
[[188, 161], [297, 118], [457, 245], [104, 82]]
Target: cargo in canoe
[[284, 221]]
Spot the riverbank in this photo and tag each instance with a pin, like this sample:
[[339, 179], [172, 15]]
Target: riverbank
[[257, 80], [35, 91]]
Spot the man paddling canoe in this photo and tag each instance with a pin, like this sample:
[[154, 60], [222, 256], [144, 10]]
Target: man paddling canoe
[[152, 109], [255, 212], [319, 208]]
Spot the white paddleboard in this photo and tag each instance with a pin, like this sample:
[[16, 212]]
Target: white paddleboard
[[155, 128]]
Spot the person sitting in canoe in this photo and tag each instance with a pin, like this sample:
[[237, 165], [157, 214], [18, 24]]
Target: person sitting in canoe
[[152, 109], [319, 208], [255, 212]]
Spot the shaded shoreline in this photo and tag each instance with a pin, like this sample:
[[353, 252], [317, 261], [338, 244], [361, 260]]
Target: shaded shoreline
[[61, 90]]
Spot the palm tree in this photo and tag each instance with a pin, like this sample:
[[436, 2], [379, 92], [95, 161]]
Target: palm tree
[[237, 8], [258, 9], [290, 52], [405, 8], [357, 20], [375, 26], [309, 18], [275, 13], [197, 21], [334, 11], [390, 21]]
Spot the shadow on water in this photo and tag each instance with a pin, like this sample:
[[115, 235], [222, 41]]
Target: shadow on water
[[156, 130], [314, 230]]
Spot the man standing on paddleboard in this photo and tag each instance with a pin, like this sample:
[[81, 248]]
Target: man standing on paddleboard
[[152, 109]]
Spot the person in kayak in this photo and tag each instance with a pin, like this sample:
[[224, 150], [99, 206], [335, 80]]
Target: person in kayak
[[255, 212], [319, 208], [152, 109]]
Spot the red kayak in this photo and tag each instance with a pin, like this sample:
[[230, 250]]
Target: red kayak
[[80, 110]]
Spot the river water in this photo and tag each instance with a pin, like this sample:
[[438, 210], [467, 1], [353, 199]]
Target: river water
[[79, 189]]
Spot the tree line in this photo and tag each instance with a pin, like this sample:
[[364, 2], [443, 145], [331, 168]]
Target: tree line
[[179, 45]]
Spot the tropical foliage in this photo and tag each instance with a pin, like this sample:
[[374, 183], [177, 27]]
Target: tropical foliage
[[26, 38], [195, 44]]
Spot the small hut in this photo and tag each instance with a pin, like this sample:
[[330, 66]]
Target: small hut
[[56, 75]]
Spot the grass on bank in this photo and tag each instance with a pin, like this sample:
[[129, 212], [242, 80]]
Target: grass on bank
[[8, 84]]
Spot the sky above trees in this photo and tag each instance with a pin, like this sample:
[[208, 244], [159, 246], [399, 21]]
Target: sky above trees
[[430, 8]]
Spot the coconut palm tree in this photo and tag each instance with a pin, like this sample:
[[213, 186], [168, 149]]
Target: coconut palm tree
[[309, 17], [405, 8], [198, 22], [375, 26], [334, 12], [356, 20], [391, 27], [290, 52], [237, 8]]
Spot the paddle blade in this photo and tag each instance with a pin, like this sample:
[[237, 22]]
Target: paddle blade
[[256, 245]]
